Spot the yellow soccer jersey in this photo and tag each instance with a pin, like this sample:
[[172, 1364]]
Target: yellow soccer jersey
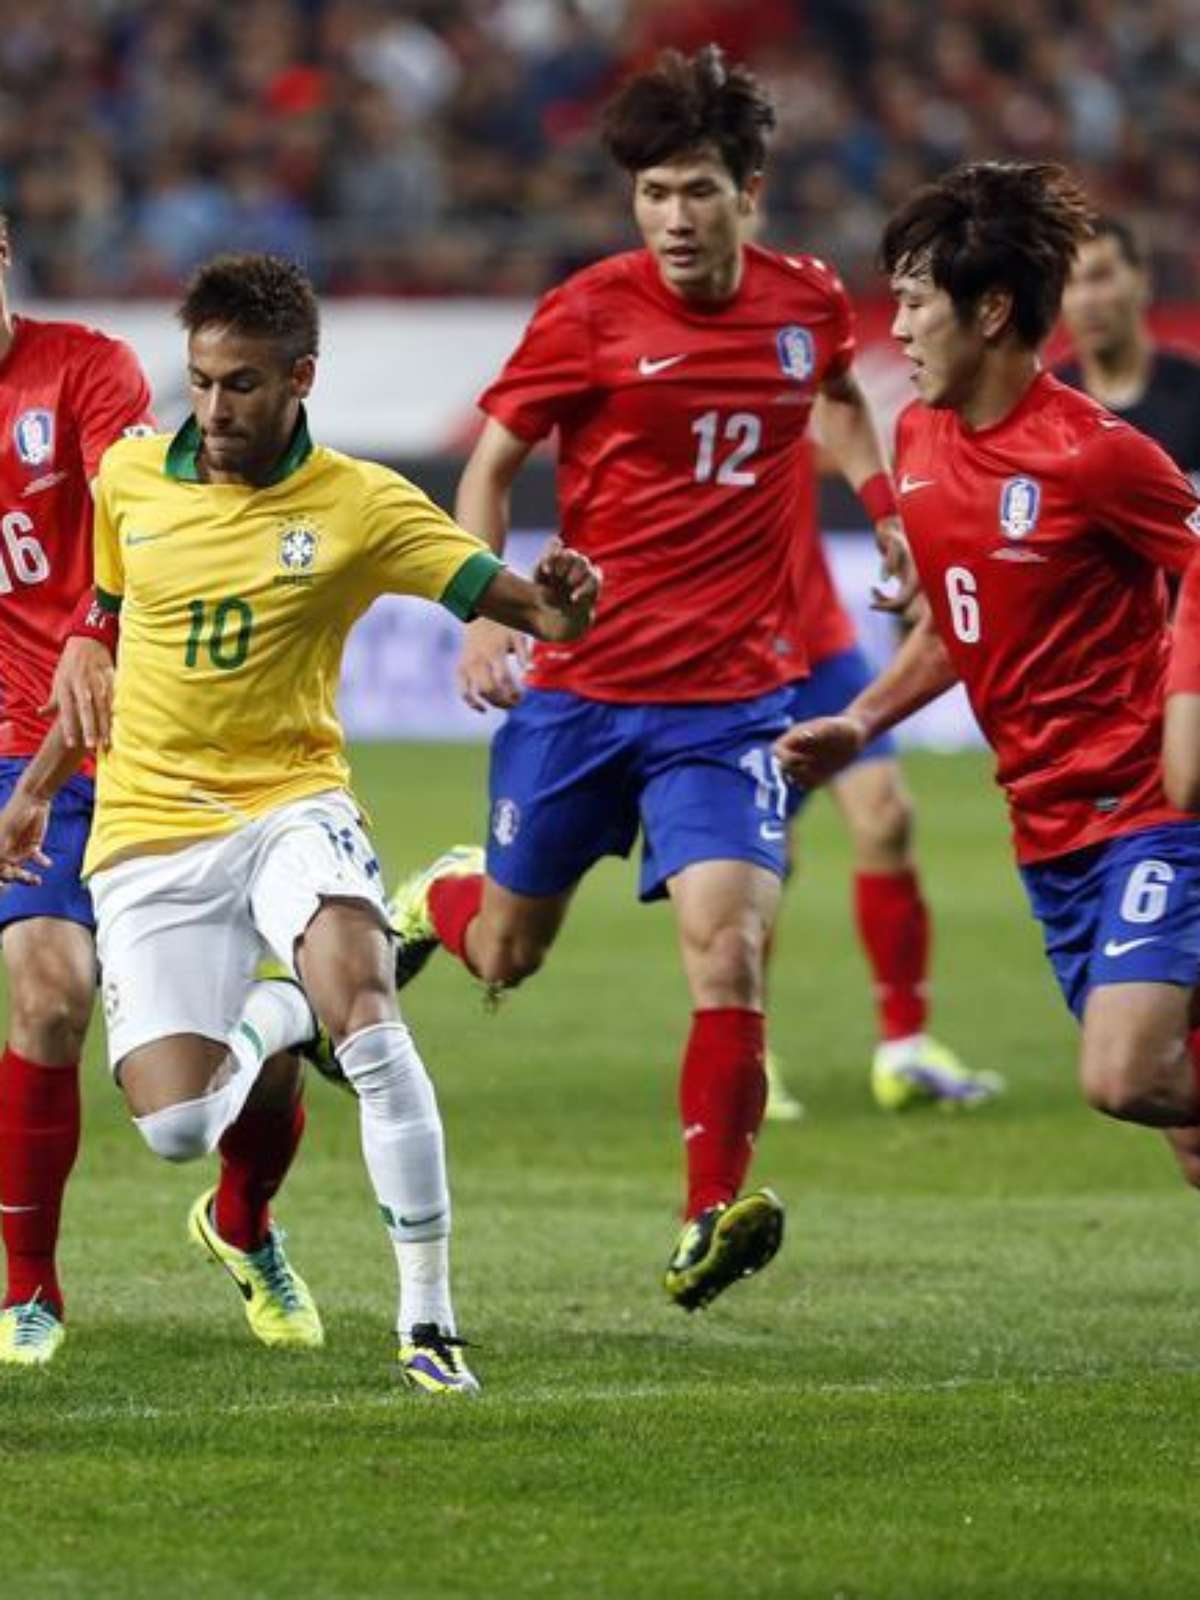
[[235, 607]]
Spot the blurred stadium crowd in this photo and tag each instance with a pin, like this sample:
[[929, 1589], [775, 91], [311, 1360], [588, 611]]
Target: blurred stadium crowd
[[447, 146]]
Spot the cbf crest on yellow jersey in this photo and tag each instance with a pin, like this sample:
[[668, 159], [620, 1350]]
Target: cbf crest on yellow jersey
[[235, 606]]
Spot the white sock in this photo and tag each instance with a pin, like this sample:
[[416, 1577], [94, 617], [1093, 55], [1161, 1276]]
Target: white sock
[[276, 1017], [405, 1156], [424, 1267]]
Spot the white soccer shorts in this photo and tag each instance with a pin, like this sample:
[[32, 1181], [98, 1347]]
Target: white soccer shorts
[[179, 934]]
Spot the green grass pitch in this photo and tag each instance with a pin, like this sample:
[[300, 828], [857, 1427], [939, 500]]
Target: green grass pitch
[[969, 1374]]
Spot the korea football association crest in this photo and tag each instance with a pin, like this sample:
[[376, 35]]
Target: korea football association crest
[[298, 548], [1020, 502], [797, 353], [33, 435]]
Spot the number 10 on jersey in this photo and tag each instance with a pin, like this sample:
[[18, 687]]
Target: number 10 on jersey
[[222, 630]]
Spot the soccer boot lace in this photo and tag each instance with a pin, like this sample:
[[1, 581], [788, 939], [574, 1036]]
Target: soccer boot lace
[[408, 909], [721, 1245], [278, 1303], [432, 1362], [782, 1105], [30, 1334], [907, 1074]]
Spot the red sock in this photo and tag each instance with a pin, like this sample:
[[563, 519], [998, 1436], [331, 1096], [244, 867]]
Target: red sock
[[893, 924], [722, 1091], [453, 905], [39, 1139], [256, 1152]]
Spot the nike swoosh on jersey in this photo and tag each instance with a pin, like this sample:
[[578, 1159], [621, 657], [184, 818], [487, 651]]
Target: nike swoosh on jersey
[[911, 485], [1120, 947], [145, 538], [649, 365]]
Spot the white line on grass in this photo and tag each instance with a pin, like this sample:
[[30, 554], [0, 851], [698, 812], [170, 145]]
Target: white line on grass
[[594, 1394]]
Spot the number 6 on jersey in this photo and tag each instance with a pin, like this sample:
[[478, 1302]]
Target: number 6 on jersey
[[963, 594]]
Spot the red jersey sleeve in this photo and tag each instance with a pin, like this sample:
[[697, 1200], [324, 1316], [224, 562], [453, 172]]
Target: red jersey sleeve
[[548, 374], [109, 395], [1131, 487], [1184, 675]]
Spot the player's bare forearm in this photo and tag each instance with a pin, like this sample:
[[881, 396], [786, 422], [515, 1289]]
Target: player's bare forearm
[[843, 421], [556, 604], [1181, 751], [481, 503], [811, 753], [57, 758], [26, 814], [917, 674]]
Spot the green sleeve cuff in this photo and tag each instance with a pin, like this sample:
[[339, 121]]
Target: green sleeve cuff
[[462, 593], [108, 602]]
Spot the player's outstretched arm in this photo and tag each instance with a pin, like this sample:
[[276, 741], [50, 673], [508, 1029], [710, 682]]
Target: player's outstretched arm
[[493, 656], [842, 418], [811, 753], [556, 604], [24, 817]]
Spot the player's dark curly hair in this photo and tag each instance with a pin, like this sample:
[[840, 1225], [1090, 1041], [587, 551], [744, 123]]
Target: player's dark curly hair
[[265, 296], [683, 103], [1013, 225]]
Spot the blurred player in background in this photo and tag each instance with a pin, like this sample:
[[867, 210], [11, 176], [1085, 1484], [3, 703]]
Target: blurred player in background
[[1042, 527], [679, 378], [66, 393], [909, 1068], [1117, 360], [239, 555]]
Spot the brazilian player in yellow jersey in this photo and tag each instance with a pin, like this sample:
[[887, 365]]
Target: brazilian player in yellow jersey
[[239, 555]]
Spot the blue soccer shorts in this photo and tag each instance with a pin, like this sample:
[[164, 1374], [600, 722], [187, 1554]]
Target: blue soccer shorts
[[826, 692], [574, 779], [61, 892], [1124, 911]]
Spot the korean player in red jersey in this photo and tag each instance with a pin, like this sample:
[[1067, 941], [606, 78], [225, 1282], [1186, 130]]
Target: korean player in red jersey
[[679, 378], [66, 393], [1042, 526]]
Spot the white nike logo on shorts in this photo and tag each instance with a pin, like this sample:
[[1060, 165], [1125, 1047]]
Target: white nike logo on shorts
[[649, 365], [1120, 947], [909, 485]]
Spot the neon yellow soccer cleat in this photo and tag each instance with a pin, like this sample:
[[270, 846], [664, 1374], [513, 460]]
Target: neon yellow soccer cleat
[[721, 1245], [432, 1362], [907, 1074], [782, 1105], [30, 1334], [408, 909], [278, 1304]]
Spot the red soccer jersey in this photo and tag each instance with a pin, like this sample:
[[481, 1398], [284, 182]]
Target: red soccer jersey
[[1184, 675], [1041, 544], [66, 392], [678, 431], [824, 625]]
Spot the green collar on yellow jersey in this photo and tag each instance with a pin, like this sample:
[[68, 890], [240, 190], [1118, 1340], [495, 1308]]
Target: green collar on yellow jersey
[[183, 453]]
